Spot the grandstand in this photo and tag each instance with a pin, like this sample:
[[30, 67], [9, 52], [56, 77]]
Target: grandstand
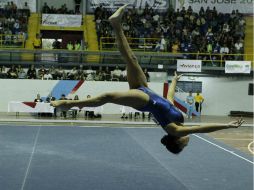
[[205, 34]]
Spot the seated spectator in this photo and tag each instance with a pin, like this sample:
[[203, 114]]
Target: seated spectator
[[53, 73], [124, 75], [116, 73], [175, 47], [31, 73], [60, 73], [238, 46], [80, 73], [100, 75], [77, 46], [47, 76], [56, 44], [63, 113], [69, 46], [224, 49], [90, 74], [107, 74], [3, 72], [21, 72], [89, 113], [41, 72], [12, 73], [38, 98], [72, 75], [75, 112], [225, 28]]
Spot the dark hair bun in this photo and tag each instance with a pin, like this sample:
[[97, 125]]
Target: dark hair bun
[[170, 142], [164, 140]]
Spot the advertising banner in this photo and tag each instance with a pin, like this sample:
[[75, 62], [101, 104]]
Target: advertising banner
[[223, 6], [62, 20], [237, 67], [189, 65], [113, 5]]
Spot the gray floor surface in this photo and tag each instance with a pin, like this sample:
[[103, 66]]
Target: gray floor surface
[[104, 158]]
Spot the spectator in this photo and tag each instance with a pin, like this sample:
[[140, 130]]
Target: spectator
[[70, 45], [107, 74], [190, 104], [41, 72], [198, 102], [72, 75], [56, 44], [46, 9], [60, 73], [77, 6], [224, 50], [21, 72], [89, 113], [38, 98], [90, 74], [116, 74], [53, 73], [175, 47], [80, 73], [147, 75], [37, 42], [124, 75], [77, 46], [63, 113], [25, 6], [31, 73], [100, 75], [47, 76], [75, 112], [12, 73]]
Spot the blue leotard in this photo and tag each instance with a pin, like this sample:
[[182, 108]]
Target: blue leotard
[[163, 111]]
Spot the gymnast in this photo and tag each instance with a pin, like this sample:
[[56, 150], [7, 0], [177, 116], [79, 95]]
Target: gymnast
[[140, 97]]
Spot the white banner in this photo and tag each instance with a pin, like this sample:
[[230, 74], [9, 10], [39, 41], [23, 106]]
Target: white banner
[[189, 65], [112, 4], [237, 67], [20, 4], [61, 20], [223, 6]]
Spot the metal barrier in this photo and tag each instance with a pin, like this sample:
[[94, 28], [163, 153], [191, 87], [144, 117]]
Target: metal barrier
[[108, 58], [12, 41], [136, 44]]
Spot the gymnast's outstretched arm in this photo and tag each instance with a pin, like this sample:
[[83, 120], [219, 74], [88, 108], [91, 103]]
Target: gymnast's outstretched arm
[[171, 91], [181, 131]]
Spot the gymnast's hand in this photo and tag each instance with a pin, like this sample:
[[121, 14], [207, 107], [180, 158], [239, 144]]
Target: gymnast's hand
[[177, 77], [236, 124]]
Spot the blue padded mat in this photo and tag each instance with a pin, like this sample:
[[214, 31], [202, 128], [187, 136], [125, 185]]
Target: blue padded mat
[[92, 158]]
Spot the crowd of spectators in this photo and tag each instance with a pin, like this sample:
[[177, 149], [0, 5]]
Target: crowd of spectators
[[62, 10], [185, 31], [59, 73], [13, 24]]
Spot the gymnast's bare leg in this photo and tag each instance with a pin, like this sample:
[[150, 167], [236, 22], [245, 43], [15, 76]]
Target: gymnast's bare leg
[[135, 76]]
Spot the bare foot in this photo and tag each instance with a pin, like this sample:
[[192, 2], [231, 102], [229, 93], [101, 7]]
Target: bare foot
[[58, 103], [117, 16]]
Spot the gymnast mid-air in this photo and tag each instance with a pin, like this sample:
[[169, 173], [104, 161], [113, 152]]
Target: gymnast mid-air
[[140, 97]]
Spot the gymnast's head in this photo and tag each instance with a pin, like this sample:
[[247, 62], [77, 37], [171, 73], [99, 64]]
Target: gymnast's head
[[175, 144]]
